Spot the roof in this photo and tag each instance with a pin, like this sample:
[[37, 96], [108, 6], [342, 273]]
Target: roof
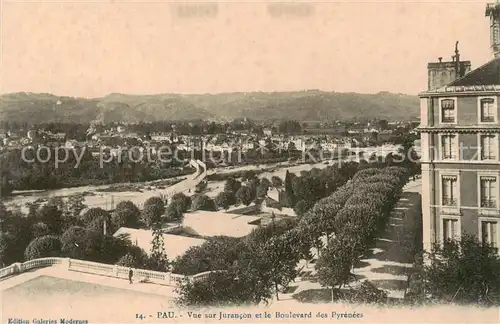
[[206, 223], [488, 74], [485, 78], [175, 245]]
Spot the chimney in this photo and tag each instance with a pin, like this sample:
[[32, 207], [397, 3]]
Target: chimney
[[493, 11], [443, 73]]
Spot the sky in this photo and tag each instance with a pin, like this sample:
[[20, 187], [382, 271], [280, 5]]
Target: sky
[[92, 48]]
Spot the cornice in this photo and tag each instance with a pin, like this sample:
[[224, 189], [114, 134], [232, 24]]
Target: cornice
[[462, 91], [459, 129]]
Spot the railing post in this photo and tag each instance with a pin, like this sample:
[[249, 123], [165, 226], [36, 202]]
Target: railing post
[[116, 270], [68, 263], [18, 267]]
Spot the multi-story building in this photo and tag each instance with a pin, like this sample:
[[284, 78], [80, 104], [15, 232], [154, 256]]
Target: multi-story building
[[460, 132]]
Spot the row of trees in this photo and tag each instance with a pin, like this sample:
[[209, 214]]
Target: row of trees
[[351, 218], [266, 259], [302, 192]]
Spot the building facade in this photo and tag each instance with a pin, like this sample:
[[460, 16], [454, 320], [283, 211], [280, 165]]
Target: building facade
[[460, 145]]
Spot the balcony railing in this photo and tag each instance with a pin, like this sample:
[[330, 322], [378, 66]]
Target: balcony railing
[[488, 203], [487, 119], [449, 201], [449, 156], [487, 156], [448, 119]]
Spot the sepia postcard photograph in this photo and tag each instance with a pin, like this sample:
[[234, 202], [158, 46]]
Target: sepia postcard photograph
[[249, 161]]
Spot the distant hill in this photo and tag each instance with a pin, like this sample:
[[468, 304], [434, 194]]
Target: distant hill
[[313, 105]]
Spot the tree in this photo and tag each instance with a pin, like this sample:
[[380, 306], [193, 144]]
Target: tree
[[9, 253], [301, 207], [183, 199], [74, 242], [135, 258], [252, 184], [104, 248], [126, 214], [175, 211], [42, 247], [70, 221], [15, 234], [95, 214], [262, 190], [289, 196], [200, 187], [232, 185], [249, 175], [277, 182], [265, 182], [51, 215], [225, 199], [158, 260], [368, 293], [281, 260], [465, 271], [216, 253], [334, 265], [244, 195], [307, 188], [222, 288], [203, 202], [152, 211], [74, 205], [40, 229]]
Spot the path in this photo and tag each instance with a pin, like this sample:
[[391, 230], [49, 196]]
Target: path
[[387, 265]]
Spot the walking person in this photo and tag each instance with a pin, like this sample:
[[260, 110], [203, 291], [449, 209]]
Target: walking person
[[130, 274]]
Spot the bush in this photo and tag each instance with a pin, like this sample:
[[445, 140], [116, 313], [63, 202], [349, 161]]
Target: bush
[[184, 200], [225, 199], [94, 214], [244, 195], [369, 294], [126, 214], [216, 253], [135, 258], [40, 229], [301, 207], [42, 247], [203, 202], [152, 211], [73, 242]]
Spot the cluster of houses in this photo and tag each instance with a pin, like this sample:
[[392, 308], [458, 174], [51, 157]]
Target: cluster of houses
[[357, 135]]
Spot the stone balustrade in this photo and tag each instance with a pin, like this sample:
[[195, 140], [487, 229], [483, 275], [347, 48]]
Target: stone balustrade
[[100, 269]]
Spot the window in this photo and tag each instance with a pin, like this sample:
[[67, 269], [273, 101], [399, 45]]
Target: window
[[450, 228], [448, 147], [489, 232], [488, 147], [448, 114], [488, 191], [449, 190], [487, 110]]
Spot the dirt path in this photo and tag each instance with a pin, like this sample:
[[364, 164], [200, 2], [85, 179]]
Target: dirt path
[[388, 264]]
